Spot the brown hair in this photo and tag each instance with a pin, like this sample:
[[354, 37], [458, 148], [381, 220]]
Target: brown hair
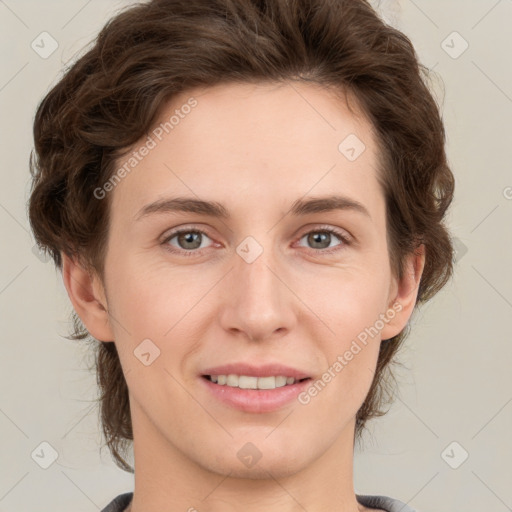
[[109, 98]]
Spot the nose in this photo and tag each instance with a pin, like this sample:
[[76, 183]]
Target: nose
[[258, 301]]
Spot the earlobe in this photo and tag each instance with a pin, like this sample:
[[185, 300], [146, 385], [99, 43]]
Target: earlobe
[[402, 301], [88, 298]]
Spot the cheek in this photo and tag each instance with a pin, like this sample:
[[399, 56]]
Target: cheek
[[351, 310], [148, 297], [348, 301]]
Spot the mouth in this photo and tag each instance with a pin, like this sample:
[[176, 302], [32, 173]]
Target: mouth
[[254, 394], [253, 382]]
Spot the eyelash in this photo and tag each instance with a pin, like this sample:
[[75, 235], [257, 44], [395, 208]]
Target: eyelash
[[346, 241]]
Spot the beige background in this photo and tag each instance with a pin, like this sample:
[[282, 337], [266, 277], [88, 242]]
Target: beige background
[[456, 384]]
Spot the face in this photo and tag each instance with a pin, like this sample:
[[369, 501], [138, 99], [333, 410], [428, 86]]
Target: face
[[277, 279]]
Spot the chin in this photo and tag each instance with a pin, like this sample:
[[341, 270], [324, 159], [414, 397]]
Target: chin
[[275, 467]]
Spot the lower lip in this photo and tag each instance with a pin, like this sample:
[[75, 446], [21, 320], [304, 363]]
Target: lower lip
[[256, 400]]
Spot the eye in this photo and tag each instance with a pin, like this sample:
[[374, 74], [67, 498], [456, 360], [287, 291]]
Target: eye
[[321, 239], [188, 240]]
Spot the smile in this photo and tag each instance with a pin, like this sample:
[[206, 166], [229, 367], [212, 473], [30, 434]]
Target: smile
[[273, 397], [251, 382]]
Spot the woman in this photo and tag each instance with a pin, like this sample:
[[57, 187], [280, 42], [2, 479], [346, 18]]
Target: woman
[[246, 200]]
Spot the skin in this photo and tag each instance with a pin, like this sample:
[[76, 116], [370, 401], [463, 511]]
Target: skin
[[255, 149]]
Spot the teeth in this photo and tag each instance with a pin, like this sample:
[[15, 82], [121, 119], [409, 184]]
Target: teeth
[[248, 382]]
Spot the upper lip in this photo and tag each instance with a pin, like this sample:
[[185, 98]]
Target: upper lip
[[266, 370]]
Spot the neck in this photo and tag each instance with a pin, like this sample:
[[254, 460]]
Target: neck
[[168, 480]]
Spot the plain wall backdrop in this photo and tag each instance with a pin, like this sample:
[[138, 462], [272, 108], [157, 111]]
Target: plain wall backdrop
[[445, 444]]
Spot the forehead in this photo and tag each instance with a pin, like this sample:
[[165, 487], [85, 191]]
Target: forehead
[[244, 143]]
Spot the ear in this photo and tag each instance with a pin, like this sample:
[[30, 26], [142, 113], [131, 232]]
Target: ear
[[87, 295], [403, 294]]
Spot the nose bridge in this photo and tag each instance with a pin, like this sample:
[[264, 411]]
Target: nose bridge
[[256, 268], [259, 303]]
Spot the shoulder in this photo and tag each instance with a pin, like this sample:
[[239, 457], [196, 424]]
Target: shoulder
[[119, 503], [384, 503]]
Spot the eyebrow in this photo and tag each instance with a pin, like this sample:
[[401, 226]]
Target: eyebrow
[[217, 210]]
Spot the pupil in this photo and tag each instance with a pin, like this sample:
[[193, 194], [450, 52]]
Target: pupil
[[317, 238], [189, 239]]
